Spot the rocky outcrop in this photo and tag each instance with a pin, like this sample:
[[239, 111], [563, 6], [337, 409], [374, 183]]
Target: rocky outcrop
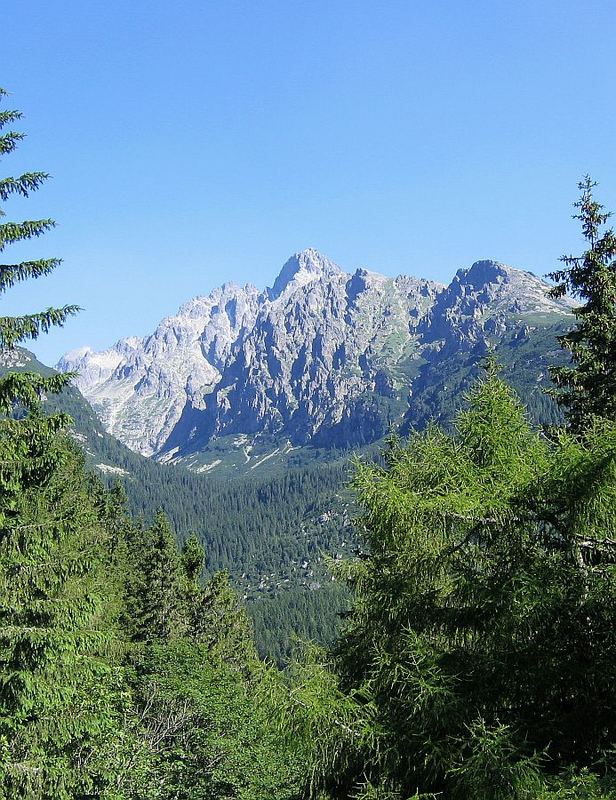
[[139, 387], [483, 301]]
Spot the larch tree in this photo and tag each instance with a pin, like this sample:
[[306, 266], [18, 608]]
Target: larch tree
[[478, 659]]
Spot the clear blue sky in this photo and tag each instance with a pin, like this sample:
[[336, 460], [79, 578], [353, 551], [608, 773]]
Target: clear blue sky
[[195, 142]]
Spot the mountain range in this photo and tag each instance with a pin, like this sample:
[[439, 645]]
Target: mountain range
[[324, 358]]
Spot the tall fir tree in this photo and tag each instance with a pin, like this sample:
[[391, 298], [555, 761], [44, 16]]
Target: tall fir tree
[[15, 330], [56, 684], [586, 389]]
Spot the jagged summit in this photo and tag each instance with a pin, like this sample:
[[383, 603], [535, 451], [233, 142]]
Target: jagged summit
[[483, 272], [199, 305], [300, 269], [506, 288], [323, 357]]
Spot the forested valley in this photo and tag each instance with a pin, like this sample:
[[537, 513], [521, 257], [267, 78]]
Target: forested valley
[[476, 656]]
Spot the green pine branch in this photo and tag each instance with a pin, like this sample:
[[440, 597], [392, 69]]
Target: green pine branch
[[12, 232], [14, 330], [9, 141], [13, 273], [27, 388], [23, 185], [6, 117]]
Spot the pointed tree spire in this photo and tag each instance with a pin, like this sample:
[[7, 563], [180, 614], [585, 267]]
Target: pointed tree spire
[[586, 389], [155, 591]]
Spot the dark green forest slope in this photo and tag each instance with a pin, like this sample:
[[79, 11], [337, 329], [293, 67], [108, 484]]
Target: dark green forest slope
[[271, 532]]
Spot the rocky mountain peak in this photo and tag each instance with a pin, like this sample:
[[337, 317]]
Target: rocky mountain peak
[[202, 305], [78, 353], [482, 273], [302, 268], [504, 288], [484, 300]]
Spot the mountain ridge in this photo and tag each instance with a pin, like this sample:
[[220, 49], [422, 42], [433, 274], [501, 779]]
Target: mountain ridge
[[324, 357]]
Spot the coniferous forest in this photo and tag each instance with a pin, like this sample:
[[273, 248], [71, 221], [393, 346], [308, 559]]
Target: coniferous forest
[[476, 656]]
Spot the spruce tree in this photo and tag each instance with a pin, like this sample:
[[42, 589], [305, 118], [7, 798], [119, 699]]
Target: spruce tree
[[55, 616], [587, 388], [220, 621], [156, 585], [15, 330]]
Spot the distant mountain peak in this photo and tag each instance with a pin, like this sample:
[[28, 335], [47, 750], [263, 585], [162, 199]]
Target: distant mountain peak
[[78, 353], [301, 269], [201, 304], [484, 272]]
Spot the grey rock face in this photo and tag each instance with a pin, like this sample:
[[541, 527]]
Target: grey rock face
[[322, 357], [316, 347], [483, 302], [139, 387]]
